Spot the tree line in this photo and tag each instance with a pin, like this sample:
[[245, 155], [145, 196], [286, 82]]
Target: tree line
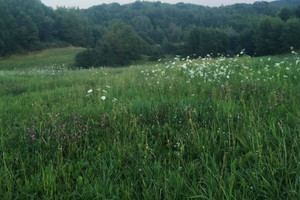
[[116, 34]]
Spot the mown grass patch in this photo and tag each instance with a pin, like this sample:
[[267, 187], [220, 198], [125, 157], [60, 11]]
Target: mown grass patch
[[58, 58]]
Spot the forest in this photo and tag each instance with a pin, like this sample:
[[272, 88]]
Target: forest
[[117, 34]]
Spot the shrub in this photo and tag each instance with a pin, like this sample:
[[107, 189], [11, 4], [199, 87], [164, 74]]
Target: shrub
[[120, 46], [87, 58]]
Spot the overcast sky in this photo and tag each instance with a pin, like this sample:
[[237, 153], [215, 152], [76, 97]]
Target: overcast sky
[[89, 3]]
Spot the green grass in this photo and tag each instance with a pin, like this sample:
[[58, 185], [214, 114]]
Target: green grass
[[43, 60], [226, 128]]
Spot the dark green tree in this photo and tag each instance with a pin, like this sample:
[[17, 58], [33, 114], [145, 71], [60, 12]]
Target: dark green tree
[[97, 32], [268, 36], [193, 42], [285, 14], [141, 24], [291, 35], [48, 29], [158, 35], [124, 41], [119, 46], [203, 41], [72, 27], [87, 58], [297, 12], [26, 33], [246, 41]]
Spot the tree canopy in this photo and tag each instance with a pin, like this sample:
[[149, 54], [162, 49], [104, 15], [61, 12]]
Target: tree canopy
[[123, 32], [119, 45]]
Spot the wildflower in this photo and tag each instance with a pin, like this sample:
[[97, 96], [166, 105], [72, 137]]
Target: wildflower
[[192, 72], [90, 91], [103, 120], [33, 137], [114, 100], [103, 98]]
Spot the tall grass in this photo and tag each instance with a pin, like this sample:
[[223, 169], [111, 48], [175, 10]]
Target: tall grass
[[226, 128]]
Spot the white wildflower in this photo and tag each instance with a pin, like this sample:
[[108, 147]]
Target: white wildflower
[[192, 72], [103, 98], [90, 91], [114, 100]]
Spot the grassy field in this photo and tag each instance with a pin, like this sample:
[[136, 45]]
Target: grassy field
[[226, 128]]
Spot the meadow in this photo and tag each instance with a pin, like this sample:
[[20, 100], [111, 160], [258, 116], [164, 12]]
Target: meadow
[[224, 128]]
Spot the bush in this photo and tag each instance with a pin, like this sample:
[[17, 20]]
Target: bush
[[87, 58], [120, 46]]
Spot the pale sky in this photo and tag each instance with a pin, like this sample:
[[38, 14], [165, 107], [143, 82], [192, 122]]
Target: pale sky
[[89, 3]]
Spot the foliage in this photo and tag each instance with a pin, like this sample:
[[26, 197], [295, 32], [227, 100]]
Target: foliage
[[87, 58], [290, 35], [203, 41], [297, 12], [268, 36], [275, 36], [286, 3], [285, 14], [72, 27], [30, 25], [119, 46]]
